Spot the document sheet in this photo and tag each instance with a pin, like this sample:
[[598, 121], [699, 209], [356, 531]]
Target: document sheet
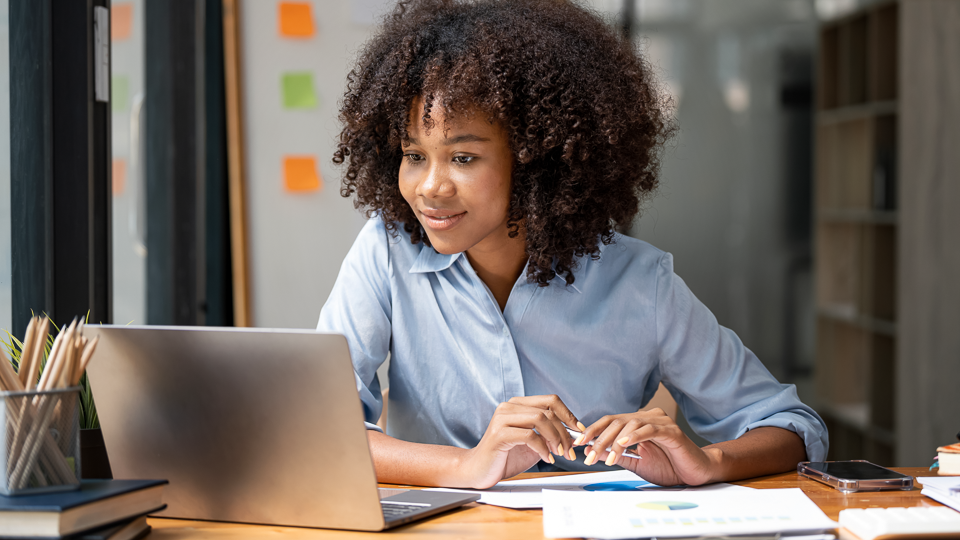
[[521, 494], [680, 513], [944, 489]]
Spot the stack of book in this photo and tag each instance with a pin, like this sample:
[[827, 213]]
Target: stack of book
[[948, 457], [99, 510]]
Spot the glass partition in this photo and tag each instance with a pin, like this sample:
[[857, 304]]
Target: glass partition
[[129, 209], [6, 255]]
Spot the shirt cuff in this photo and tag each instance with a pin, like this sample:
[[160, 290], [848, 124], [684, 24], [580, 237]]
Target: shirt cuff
[[373, 427], [808, 426]]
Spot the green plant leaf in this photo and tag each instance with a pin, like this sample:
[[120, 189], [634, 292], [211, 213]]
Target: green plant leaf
[[88, 409], [14, 350]]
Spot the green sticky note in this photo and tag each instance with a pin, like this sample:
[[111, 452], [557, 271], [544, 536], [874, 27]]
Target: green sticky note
[[298, 91], [119, 93]]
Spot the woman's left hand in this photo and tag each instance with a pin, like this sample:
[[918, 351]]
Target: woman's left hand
[[669, 457]]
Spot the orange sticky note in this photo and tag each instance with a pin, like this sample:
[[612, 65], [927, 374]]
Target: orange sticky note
[[300, 173], [119, 176], [121, 21], [296, 20]]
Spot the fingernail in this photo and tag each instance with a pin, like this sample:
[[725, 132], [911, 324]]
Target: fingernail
[[591, 458], [611, 459], [560, 449], [552, 461], [581, 427], [579, 440], [573, 455], [623, 441]]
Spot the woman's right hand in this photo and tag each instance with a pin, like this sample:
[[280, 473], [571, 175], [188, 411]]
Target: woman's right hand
[[511, 446]]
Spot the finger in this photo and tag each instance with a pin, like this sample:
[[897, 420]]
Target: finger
[[551, 429], [592, 435], [555, 404], [515, 435], [557, 414], [640, 434], [606, 440], [544, 421], [595, 454], [621, 441], [655, 412]]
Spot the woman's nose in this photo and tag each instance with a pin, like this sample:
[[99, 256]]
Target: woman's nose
[[436, 184]]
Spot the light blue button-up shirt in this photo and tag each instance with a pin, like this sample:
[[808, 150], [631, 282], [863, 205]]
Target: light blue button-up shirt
[[603, 344]]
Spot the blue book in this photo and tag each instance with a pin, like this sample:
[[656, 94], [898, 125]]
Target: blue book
[[96, 503]]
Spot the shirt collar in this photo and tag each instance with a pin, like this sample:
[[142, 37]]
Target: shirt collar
[[578, 271], [430, 260]]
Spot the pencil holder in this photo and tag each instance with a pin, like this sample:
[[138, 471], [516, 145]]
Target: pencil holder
[[40, 441]]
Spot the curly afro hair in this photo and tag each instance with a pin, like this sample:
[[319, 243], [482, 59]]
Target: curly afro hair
[[585, 119]]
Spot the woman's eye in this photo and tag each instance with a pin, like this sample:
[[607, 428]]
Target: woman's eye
[[413, 158], [463, 160]]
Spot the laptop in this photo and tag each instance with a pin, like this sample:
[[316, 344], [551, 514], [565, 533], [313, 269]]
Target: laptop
[[248, 425]]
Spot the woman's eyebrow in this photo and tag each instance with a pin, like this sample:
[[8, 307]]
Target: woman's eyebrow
[[464, 138], [455, 140]]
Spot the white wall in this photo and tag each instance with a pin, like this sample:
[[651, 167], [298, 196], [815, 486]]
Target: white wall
[[128, 207], [296, 240]]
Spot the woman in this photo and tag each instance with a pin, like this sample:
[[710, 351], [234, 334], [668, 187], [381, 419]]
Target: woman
[[498, 146]]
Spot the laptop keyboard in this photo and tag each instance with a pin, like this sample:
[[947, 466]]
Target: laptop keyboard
[[392, 510]]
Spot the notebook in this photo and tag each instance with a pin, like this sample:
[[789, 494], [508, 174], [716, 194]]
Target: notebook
[[249, 425], [96, 503], [130, 529]]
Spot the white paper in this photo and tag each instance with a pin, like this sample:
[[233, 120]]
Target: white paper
[[942, 497], [938, 488], [940, 483], [523, 494], [612, 515]]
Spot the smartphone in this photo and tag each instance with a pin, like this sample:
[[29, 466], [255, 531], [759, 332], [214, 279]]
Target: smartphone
[[856, 475]]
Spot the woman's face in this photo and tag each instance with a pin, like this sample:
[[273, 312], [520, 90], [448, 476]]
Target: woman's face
[[456, 178]]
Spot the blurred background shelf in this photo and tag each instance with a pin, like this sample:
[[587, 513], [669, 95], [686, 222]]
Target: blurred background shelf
[[848, 215], [856, 232], [887, 284], [844, 314], [856, 112]]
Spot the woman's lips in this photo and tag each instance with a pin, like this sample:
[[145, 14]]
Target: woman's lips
[[442, 221]]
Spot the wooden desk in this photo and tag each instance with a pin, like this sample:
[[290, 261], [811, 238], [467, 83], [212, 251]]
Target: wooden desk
[[483, 521]]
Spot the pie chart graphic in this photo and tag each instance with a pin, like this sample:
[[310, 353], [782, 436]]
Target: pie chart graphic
[[666, 505], [626, 485]]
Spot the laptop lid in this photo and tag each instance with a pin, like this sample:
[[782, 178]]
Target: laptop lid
[[248, 425]]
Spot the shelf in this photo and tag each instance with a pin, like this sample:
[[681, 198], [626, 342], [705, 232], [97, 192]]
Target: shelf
[[883, 52], [839, 265], [856, 215], [847, 314], [856, 112], [857, 225]]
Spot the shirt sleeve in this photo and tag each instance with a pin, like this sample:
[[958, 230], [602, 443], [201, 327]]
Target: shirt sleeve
[[359, 308], [720, 385]]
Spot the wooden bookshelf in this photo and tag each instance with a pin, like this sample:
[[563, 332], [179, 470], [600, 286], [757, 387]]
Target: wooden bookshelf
[[856, 223]]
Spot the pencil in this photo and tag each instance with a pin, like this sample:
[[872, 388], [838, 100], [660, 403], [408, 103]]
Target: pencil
[[576, 434], [26, 351]]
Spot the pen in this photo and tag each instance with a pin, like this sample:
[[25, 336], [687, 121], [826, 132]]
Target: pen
[[576, 434]]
